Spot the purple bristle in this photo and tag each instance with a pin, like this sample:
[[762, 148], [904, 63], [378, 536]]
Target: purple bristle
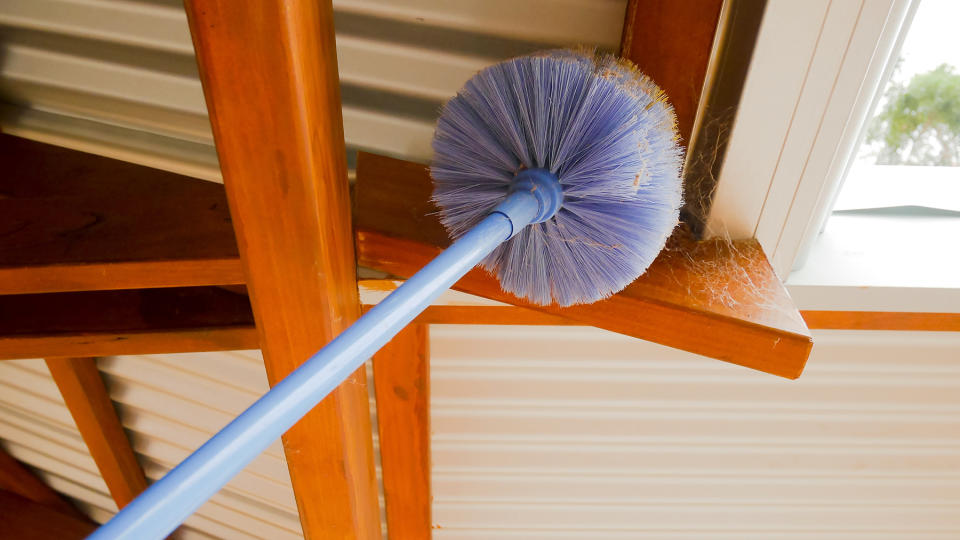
[[606, 132]]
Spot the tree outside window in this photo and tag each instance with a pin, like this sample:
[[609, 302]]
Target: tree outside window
[[919, 122]]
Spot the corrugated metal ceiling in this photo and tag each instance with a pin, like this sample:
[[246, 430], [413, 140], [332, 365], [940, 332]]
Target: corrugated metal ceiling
[[170, 405], [544, 433], [118, 77]]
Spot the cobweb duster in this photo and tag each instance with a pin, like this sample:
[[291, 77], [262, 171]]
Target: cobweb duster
[[609, 136]]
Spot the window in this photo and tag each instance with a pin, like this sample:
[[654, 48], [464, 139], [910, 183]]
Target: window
[[896, 219], [818, 72]]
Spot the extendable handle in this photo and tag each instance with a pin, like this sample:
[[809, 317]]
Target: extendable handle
[[166, 503]]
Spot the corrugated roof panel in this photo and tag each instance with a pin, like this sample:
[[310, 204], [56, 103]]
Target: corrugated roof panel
[[545, 432], [119, 77], [173, 412], [544, 21]]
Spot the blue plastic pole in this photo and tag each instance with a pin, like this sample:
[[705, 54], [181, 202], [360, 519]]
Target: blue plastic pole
[[166, 503]]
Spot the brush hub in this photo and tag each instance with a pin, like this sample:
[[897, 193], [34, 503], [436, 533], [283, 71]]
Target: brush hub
[[546, 189]]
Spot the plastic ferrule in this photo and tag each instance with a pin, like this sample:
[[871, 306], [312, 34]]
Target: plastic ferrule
[[538, 186]]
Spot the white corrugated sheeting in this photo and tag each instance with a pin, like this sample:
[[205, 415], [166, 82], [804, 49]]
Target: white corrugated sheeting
[[119, 78], [543, 433], [170, 405]]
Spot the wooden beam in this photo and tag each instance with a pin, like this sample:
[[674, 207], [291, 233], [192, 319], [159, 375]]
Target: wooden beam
[[699, 52], [495, 315], [199, 319], [401, 374], [671, 42], [816, 320], [269, 72], [730, 61], [86, 396], [107, 323], [713, 298], [24, 519], [882, 320], [71, 221], [18, 479]]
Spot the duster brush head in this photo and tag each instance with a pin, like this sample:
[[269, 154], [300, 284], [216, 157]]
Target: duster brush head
[[607, 134]]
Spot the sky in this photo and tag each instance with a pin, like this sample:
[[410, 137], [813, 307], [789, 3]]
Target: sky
[[933, 38]]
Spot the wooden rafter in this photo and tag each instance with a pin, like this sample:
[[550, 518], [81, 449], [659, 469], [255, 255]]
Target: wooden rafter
[[16, 478], [107, 323], [269, 72], [401, 373], [82, 388], [25, 519], [671, 41], [882, 320], [211, 319], [112, 323], [71, 221]]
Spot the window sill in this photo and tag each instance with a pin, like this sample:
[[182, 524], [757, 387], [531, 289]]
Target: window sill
[[887, 260]]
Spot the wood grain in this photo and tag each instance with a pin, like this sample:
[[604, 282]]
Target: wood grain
[[495, 315], [816, 320], [23, 519], [107, 323], [671, 41], [18, 479], [733, 44], [401, 373], [146, 322], [882, 320], [269, 72], [713, 298], [89, 403], [71, 221]]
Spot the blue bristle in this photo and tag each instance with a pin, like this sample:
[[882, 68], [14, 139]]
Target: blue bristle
[[608, 134]]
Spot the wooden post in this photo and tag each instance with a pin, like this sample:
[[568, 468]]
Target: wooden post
[[269, 72], [86, 396], [401, 374], [671, 41]]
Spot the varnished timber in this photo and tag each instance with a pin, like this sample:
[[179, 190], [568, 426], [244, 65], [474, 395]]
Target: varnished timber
[[712, 298], [17, 479], [882, 320], [495, 315], [86, 397], [401, 374], [735, 40], [106, 323], [671, 41], [816, 320], [71, 221], [211, 319], [23, 519], [269, 73]]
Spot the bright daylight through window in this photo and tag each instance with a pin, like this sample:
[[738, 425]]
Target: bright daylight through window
[[896, 219]]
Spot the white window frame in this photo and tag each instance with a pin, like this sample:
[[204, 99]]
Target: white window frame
[[816, 71], [816, 67]]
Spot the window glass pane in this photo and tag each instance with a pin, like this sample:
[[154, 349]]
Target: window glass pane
[[911, 149], [896, 221]]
